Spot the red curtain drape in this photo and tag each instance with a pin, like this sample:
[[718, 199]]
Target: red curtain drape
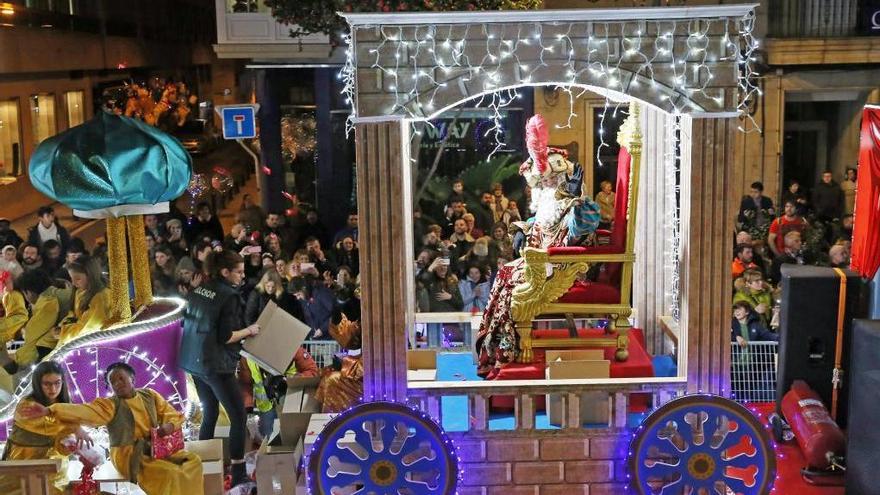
[[866, 232]]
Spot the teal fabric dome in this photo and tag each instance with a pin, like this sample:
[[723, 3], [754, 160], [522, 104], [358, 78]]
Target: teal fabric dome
[[111, 161]]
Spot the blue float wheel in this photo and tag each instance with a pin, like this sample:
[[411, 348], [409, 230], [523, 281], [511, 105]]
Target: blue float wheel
[[382, 448], [701, 445]]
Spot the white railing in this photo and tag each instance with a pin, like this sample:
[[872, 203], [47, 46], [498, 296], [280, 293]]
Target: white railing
[[753, 371], [257, 27], [322, 351]]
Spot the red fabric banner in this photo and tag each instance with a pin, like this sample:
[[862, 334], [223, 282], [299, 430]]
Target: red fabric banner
[[866, 232]]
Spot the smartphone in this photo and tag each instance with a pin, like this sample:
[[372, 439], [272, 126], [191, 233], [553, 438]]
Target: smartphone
[[253, 250], [306, 266]]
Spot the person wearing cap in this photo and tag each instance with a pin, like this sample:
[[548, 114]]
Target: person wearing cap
[[47, 228], [9, 261], [8, 235], [441, 287], [15, 313]]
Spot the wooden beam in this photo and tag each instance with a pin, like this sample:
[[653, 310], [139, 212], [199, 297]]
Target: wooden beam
[[385, 225], [707, 229]]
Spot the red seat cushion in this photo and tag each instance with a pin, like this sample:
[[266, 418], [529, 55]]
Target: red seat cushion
[[607, 249], [591, 293], [638, 365]]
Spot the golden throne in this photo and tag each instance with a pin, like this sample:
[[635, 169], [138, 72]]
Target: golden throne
[[549, 287]]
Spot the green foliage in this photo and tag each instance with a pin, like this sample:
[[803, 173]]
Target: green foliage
[[319, 16], [477, 179]]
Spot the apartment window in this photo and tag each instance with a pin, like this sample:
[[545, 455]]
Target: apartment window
[[73, 100], [43, 116], [245, 6], [10, 139]]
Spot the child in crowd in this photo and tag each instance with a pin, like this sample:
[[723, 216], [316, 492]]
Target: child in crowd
[[752, 289]]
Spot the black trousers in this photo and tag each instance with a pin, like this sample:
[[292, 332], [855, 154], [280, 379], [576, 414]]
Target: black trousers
[[214, 389]]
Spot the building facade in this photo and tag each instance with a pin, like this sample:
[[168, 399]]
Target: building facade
[[58, 57]]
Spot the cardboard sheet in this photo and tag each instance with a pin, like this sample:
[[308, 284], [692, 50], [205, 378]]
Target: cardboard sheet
[[280, 337]]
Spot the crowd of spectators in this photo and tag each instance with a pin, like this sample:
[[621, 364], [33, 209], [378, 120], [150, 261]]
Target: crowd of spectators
[[807, 230], [291, 260], [458, 257]]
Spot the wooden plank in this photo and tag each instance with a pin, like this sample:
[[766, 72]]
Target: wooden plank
[[380, 204], [619, 410], [706, 309], [571, 410], [479, 412], [524, 412]]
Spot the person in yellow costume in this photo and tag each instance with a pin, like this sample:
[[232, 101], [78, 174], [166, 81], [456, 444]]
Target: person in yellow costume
[[92, 307], [129, 416], [49, 305], [15, 313], [41, 438]]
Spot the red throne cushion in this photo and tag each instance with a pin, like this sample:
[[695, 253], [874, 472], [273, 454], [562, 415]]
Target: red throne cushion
[[638, 365], [591, 293]]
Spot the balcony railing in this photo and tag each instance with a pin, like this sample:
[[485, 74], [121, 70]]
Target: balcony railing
[[815, 18], [234, 27]]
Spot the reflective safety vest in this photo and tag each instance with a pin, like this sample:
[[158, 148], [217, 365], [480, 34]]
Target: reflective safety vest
[[261, 399]]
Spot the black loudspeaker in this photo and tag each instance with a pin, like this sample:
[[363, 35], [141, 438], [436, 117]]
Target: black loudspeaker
[[808, 330], [863, 435]]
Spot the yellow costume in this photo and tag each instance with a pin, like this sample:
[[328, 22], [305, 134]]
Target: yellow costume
[[97, 315], [36, 439], [129, 422], [50, 307], [16, 315]]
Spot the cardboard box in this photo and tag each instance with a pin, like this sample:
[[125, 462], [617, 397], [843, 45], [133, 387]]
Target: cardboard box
[[280, 337], [211, 453], [296, 411], [277, 473], [421, 365], [576, 364]]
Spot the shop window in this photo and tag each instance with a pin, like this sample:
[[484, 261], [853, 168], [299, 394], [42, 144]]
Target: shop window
[[73, 100], [246, 6], [43, 116], [10, 140]]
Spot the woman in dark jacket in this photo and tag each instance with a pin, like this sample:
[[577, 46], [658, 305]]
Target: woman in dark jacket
[[213, 328], [270, 288]]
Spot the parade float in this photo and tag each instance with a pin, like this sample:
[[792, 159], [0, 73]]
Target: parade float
[[684, 76]]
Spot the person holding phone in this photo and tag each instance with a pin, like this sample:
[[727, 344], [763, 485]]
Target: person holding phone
[[213, 328]]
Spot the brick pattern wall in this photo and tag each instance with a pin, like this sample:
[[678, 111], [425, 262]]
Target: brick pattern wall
[[579, 463]]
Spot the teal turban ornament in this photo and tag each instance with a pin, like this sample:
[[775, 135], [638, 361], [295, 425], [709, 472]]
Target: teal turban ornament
[[117, 168], [111, 166]]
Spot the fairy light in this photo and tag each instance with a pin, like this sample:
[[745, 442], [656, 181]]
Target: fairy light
[[672, 218], [123, 335], [419, 64]]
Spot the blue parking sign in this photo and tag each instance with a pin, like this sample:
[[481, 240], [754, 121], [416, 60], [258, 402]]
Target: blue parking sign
[[239, 121]]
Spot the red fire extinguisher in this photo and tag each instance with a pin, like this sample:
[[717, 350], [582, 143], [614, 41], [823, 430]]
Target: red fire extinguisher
[[819, 437]]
